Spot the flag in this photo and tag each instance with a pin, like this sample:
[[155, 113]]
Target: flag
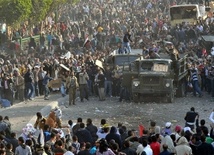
[[141, 128], [86, 41]]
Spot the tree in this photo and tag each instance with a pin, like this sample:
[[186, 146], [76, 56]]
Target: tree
[[56, 6], [13, 12], [39, 10]]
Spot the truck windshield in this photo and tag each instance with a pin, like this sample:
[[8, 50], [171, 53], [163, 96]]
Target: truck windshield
[[133, 66], [146, 66], [154, 67]]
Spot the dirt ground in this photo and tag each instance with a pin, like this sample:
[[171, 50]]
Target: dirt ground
[[128, 113], [132, 114]]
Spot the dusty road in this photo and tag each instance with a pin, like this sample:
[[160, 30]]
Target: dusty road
[[131, 114], [128, 113]]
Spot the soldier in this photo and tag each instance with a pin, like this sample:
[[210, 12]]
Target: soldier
[[174, 56], [72, 85]]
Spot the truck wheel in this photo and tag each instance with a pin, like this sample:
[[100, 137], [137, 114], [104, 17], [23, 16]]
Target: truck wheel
[[170, 97], [181, 90], [136, 97]]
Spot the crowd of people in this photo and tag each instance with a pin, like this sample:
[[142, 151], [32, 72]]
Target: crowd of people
[[90, 32], [80, 138], [68, 49]]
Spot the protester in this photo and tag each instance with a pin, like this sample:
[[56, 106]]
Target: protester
[[83, 77], [190, 118], [100, 80], [22, 149], [40, 121], [29, 80], [65, 46]]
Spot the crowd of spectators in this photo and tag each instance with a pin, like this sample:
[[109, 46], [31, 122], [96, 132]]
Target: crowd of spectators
[[80, 138], [90, 31]]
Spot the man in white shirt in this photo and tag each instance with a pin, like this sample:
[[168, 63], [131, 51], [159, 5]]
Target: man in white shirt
[[147, 150], [101, 133]]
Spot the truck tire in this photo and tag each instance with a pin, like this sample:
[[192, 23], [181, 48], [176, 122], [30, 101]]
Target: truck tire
[[170, 97], [181, 89], [135, 97]]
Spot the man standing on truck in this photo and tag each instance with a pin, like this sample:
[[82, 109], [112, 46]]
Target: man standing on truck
[[152, 55], [126, 42], [174, 56]]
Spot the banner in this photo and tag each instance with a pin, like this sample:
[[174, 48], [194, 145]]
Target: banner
[[55, 83]]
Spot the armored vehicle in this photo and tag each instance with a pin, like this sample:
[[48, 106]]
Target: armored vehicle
[[157, 77]]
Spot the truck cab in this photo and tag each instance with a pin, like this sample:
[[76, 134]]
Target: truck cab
[[159, 77], [155, 78]]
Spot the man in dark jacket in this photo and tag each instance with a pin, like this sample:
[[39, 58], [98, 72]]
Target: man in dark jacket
[[4, 127], [12, 140], [123, 133], [113, 135], [28, 77], [190, 118], [127, 149], [205, 148], [59, 148], [76, 127], [108, 81], [126, 42], [86, 151], [83, 134], [92, 129]]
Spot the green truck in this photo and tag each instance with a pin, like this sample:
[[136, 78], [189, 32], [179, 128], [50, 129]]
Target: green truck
[[156, 78]]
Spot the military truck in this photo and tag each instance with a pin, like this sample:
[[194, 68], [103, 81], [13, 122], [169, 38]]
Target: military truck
[[119, 59], [156, 78]]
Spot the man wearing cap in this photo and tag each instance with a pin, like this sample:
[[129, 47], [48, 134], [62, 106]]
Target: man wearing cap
[[167, 129], [103, 132]]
